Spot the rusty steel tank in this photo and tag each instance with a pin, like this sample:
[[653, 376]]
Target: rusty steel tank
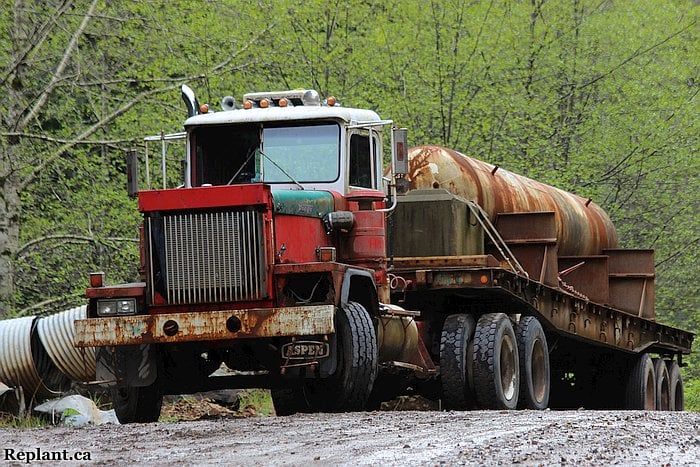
[[583, 228]]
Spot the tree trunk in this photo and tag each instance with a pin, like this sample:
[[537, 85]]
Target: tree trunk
[[9, 231]]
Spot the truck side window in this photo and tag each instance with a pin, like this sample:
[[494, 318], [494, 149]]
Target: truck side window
[[360, 161]]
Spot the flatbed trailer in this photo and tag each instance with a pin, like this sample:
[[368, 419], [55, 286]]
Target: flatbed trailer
[[564, 313]]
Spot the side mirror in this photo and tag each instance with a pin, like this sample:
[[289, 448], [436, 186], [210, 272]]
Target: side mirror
[[132, 173], [399, 151]]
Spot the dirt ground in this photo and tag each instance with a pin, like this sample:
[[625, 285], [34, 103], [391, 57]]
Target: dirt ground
[[378, 438]]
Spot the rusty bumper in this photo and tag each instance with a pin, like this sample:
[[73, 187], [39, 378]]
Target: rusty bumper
[[204, 326]]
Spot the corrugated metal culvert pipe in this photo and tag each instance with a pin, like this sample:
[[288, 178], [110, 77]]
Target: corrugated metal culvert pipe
[[37, 354], [56, 334]]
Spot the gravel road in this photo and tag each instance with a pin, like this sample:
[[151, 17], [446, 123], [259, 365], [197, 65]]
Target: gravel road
[[378, 438]]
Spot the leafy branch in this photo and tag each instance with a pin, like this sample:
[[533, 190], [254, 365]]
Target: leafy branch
[[69, 238]]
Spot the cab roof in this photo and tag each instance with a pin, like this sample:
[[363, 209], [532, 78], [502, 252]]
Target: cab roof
[[278, 114]]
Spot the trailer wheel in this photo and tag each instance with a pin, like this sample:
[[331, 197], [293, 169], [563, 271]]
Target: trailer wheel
[[456, 361], [641, 385], [663, 393], [350, 387], [495, 363], [534, 364], [675, 386], [136, 404]]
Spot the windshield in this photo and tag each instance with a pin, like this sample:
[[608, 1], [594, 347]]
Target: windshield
[[303, 154], [249, 153]]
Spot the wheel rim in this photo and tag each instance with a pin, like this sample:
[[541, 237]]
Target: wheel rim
[[538, 371], [509, 362]]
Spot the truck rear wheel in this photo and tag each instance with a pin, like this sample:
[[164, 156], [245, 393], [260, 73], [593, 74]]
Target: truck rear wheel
[[641, 385], [675, 386], [137, 404], [534, 364], [456, 361], [350, 387], [495, 363], [663, 394]]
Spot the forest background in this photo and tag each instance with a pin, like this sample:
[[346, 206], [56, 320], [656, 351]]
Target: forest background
[[598, 97]]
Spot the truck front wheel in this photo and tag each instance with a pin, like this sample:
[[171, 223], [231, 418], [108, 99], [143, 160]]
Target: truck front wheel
[[136, 404], [288, 401], [349, 388]]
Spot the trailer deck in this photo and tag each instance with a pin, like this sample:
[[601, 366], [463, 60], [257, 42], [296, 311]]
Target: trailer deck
[[565, 312]]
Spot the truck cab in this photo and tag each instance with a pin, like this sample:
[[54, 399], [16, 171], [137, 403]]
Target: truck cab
[[289, 140], [267, 263]]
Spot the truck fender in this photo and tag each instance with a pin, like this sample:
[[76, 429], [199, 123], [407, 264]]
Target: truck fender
[[132, 365], [358, 286]]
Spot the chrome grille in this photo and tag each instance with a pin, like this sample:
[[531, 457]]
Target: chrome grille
[[211, 257]]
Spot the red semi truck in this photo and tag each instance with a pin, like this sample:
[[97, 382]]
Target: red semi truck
[[287, 257]]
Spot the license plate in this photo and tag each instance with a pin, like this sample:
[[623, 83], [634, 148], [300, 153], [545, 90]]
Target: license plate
[[303, 350]]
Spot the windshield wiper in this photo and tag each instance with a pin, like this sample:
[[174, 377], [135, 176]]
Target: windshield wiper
[[282, 170], [240, 169]]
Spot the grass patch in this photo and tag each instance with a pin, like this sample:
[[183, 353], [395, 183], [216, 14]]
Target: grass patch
[[256, 402], [29, 421]]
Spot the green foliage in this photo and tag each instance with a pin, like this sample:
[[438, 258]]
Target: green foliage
[[692, 395], [29, 421], [596, 97]]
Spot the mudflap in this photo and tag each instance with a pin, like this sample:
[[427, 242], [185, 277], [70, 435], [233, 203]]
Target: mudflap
[[132, 365], [329, 364]]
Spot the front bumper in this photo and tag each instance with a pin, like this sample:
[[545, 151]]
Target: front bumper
[[204, 326]]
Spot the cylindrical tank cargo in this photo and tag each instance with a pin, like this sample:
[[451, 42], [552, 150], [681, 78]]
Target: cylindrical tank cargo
[[397, 338], [583, 228]]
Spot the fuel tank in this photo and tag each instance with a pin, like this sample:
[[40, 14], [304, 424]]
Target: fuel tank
[[583, 228]]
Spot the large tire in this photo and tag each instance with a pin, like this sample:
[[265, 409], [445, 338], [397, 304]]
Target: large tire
[[675, 386], [640, 391], [495, 363], [456, 362], [137, 404], [663, 393], [348, 390], [535, 376]]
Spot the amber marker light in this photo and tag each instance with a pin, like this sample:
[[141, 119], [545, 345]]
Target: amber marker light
[[326, 253], [97, 279], [331, 101], [204, 108], [248, 104], [484, 279], [283, 102], [264, 103]]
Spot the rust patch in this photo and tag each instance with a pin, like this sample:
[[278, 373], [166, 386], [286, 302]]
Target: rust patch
[[205, 326], [582, 227]]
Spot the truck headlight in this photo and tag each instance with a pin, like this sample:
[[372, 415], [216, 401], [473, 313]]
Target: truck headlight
[[125, 306]]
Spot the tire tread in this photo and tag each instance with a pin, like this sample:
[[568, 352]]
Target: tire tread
[[455, 364]]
